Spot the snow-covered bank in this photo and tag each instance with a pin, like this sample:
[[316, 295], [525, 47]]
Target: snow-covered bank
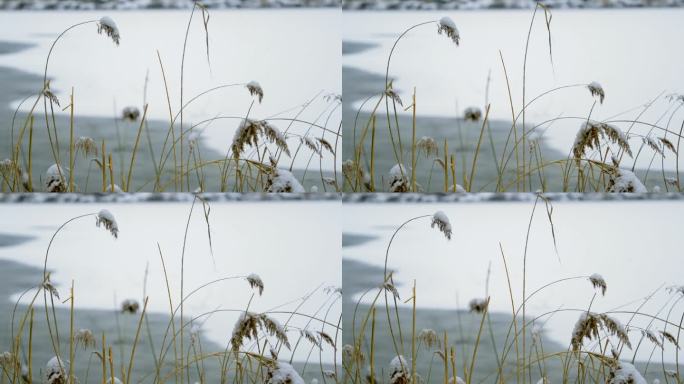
[[158, 4], [143, 197], [502, 4], [404, 198]]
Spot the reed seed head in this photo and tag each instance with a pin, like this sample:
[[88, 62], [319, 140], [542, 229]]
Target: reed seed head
[[6, 360], [87, 146], [390, 93], [8, 167], [255, 282], [108, 26], [248, 326], [596, 90], [47, 286], [590, 134], [255, 89], [428, 145], [447, 26], [598, 282], [86, 338], [441, 220], [130, 306], [248, 134], [311, 144], [130, 114], [389, 287], [107, 220], [478, 305], [429, 338], [589, 324], [47, 93], [473, 114]]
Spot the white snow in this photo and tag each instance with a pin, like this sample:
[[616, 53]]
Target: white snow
[[627, 181], [284, 181], [448, 22], [626, 373], [109, 22], [285, 373]]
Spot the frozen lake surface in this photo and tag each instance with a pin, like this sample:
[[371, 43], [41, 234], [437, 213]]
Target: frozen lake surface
[[293, 54], [632, 53], [247, 238], [634, 245]]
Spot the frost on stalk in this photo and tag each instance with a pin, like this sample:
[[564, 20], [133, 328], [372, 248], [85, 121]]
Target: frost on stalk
[[447, 25], [108, 26], [86, 338], [441, 220], [283, 373], [255, 89], [596, 90], [116, 381], [428, 145], [598, 282], [543, 380], [55, 179], [280, 180], [255, 282], [472, 114], [624, 181], [625, 373], [456, 380], [398, 179], [55, 371], [106, 219], [399, 371]]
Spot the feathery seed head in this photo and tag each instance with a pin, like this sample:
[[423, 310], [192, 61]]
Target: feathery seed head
[[255, 89], [107, 220], [255, 282], [441, 220], [447, 26], [598, 282], [596, 90], [108, 26]]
